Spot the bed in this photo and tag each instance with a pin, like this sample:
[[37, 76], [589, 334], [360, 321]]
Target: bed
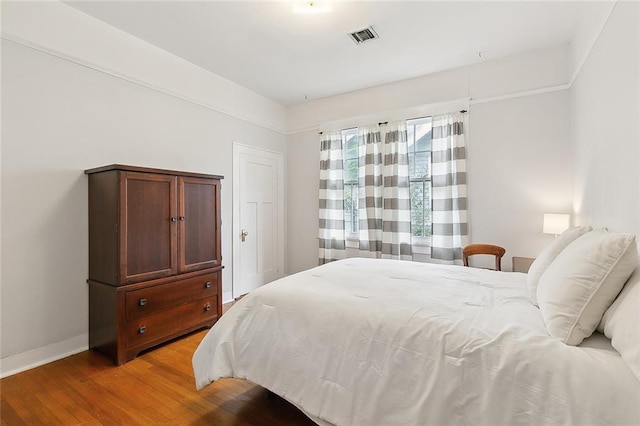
[[386, 342]]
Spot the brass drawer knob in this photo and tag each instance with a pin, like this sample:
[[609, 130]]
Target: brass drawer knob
[[207, 307], [142, 330], [207, 284], [142, 302]]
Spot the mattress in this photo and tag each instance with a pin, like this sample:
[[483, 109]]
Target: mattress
[[386, 342]]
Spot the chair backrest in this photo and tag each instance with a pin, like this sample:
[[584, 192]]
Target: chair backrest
[[489, 249]]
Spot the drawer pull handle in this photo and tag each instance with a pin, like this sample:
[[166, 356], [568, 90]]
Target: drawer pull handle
[[181, 218], [142, 302], [174, 219], [207, 308], [207, 284], [142, 329]]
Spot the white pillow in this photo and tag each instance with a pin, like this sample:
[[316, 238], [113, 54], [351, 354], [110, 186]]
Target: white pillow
[[621, 323], [547, 256], [583, 281]]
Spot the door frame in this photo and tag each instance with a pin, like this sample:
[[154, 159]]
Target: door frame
[[238, 149]]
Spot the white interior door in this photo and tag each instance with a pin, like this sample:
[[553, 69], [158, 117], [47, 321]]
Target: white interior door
[[258, 218]]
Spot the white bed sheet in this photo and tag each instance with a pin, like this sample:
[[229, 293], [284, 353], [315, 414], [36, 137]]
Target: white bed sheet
[[384, 342]]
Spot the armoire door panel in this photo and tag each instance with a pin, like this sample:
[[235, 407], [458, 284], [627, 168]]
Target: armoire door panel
[[150, 226], [198, 217]]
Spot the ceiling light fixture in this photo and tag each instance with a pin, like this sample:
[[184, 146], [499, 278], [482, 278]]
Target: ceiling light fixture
[[312, 6]]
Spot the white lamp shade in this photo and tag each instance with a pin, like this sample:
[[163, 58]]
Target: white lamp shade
[[555, 223]]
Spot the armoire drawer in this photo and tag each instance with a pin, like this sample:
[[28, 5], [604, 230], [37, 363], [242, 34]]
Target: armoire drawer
[[157, 298], [170, 322]]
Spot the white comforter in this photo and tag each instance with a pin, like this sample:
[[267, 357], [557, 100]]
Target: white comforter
[[384, 342]]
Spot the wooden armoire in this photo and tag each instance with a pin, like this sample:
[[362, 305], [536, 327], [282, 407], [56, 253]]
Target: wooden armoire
[[155, 259]]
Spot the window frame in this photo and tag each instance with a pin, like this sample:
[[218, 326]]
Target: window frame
[[421, 240], [350, 236], [353, 132]]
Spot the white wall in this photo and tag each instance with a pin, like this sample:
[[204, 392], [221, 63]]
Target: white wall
[[62, 114], [303, 175], [64, 31], [519, 167], [531, 71], [590, 23], [606, 126], [519, 157]]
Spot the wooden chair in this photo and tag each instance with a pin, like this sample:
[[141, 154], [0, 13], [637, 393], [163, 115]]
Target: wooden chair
[[489, 249]]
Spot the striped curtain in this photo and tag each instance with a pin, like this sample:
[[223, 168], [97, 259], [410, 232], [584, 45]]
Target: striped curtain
[[449, 188], [370, 189], [396, 211], [331, 199], [384, 199]]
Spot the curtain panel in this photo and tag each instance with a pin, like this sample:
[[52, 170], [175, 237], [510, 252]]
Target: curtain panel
[[370, 189], [396, 212], [331, 199], [384, 197], [449, 188]]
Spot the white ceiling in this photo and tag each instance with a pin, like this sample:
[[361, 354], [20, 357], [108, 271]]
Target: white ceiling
[[288, 57]]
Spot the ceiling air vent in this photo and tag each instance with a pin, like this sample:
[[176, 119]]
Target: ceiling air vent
[[363, 35]]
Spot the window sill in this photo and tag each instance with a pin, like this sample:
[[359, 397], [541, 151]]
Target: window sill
[[421, 242], [420, 246]]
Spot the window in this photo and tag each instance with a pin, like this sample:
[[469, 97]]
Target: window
[[419, 147], [350, 143]]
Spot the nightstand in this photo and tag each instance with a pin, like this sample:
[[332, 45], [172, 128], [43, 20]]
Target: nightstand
[[521, 264]]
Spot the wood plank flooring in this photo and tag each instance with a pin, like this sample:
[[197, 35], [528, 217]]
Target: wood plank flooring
[[155, 388]]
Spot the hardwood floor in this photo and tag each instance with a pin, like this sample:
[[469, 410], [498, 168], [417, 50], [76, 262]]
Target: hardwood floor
[[155, 388]]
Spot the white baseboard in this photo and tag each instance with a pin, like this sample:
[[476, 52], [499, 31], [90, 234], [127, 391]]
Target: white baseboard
[[36, 357]]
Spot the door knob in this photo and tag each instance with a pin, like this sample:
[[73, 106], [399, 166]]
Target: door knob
[[244, 234]]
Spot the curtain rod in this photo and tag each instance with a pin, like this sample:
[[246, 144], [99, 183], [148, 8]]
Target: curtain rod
[[384, 123]]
